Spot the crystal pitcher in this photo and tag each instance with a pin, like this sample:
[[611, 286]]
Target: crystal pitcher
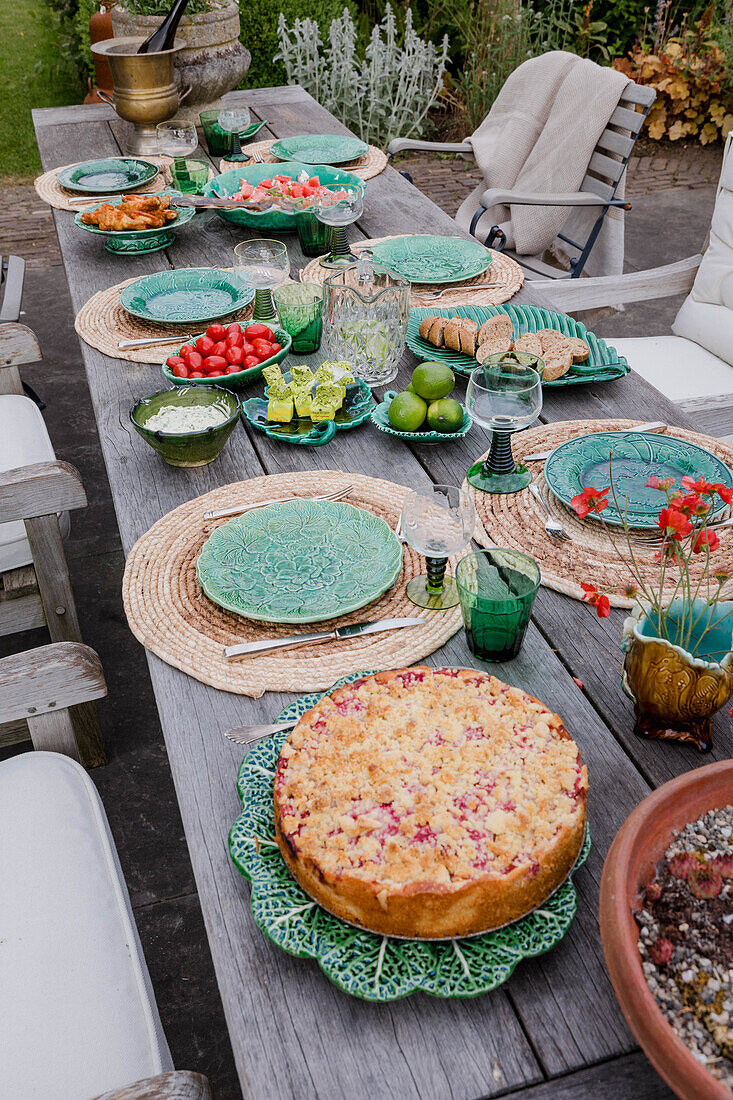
[[365, 312]]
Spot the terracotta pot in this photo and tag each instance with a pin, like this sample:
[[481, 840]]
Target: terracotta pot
[[675, 694], [630, 866]]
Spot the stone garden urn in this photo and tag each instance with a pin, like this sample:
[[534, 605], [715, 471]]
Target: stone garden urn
[[212, 60]]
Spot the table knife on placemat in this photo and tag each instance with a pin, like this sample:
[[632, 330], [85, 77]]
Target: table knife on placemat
[[353, 630], [652, 426]]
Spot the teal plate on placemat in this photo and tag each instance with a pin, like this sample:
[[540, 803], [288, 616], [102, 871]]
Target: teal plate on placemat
[[364, 964], [357, 407], [319, 148], [107, 176], [302, 561], [429, 259], [637, 456], [189, 295], [380, 419], [134, 242], [604, 362]]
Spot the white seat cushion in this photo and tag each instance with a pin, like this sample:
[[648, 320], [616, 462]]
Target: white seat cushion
[[24, 439], [678, 368], [77, 1007]]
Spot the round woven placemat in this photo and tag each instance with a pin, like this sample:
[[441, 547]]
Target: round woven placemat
[[49, 189], [503, 270], [517, 520], [371, 164], [102, 322], [169, 613]]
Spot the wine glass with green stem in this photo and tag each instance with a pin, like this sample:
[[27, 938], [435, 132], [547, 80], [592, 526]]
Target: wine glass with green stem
[[503, 397], [338, 213], [234, 121], [177, 138], [262, 264], [436, 522]]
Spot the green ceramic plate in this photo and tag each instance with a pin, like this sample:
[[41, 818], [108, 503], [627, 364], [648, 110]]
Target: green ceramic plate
[[240, 378], [319, 148], [228, 183], [299, 562], [604, 362], [189, 295], [357, 407], [133, 242], [424, 259], [637, 456], [380, 419], [376, 968], [106, 177]]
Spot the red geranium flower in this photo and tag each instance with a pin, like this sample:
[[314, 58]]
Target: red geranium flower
[[592, 596], [661, 483], [705, 538], [700, 486], [725, 492], [674, 523], [694, 505], [590, 500]]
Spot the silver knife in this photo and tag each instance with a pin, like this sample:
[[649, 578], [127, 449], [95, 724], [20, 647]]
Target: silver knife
[[652, 426], [150, 341], [353, 630]]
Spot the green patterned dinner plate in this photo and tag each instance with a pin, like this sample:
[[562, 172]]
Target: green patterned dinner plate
[[636, 456], [189, 295], [604, 362], [427, 259], [107, 176], [380, 419], [319, 148], [357, 407], [367, 965], [299, 562]]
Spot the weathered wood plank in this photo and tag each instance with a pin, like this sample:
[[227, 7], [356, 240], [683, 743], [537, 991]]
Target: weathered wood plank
[[179, 1085], [41, 489], [628, 1078], [49, 678], [18, 582], [54, 732], [22, 613]]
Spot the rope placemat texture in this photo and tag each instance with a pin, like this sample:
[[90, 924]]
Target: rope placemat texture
[[102, 322], [49, 189], [371, 164], [516, 520], [168, 612], [503, 270]]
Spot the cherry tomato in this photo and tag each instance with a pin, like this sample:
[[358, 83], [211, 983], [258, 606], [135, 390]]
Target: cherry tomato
[[253, 331], [197, 374], [195, 360], [216, 332], [174, 361], [186, 351], [204, 345], [219, 347], [234, 355], [180, 370], [264, 351], [276, 347], [215, 364], [247, 348], [234, 339], [234, 327], [232, 370], [250, 361]]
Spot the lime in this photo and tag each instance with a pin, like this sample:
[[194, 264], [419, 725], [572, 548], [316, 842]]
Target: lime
[[445, 415], [410, 388], [433, 380], [407, 412]]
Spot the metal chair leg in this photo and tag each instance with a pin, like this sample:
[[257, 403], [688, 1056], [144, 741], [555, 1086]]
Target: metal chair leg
[[407, 175], [496, 239]]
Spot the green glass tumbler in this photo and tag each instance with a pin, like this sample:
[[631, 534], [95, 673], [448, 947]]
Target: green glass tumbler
[[189, 176], [300, 309], [314, 236], [497, 589]]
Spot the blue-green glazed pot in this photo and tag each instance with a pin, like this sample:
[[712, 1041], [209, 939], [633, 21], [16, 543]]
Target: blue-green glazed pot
[[230, 182], [196, 448]]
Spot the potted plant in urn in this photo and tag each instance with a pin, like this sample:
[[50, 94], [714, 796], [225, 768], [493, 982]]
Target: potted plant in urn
[[678, 640], [212, 61]]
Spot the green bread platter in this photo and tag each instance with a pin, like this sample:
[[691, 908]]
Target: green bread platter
[[320, 148], [373, 967], [357, 407], [604, 362], [429, 438], [189, 295], [238, 379], [228, 183], [637, 456], [301, 561], [434, 260], [105, 177], [136, 242]]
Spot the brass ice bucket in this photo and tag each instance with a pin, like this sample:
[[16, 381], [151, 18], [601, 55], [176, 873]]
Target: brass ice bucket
[[144, 92]]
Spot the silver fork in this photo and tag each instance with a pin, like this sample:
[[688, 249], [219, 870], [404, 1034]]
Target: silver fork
[[240, 509], [553, 526], [247, 735], [257, 157], [453, 289]]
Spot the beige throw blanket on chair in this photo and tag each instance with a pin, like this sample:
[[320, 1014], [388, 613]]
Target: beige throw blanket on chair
[[539, 137]]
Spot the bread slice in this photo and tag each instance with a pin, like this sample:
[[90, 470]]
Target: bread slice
[[557, 358], [425, 326], [499, 324], [495, 345], [579, 349], [460, 335], [436, 331], [530, 343]]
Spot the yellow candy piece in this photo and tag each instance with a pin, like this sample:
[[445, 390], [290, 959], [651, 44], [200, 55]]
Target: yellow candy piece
[[324, 373], [303, 400], [273, 375], [330, 393], [280, 409], [302, 375], [320, 410]]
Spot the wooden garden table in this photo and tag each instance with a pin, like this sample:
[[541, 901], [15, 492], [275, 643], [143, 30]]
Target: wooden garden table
[[553, 1030]]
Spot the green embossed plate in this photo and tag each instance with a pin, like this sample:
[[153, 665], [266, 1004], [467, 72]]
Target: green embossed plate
[[108, 176], [584, 461], [428, 259], [357, 407], [380, 419], [604, 362], [189, 295], [299, 562], [376, 968], [319, 148]]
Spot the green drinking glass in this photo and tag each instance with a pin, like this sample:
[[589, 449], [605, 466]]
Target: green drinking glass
[[189, 176], [300, 309], [497, 589], [314, 236]]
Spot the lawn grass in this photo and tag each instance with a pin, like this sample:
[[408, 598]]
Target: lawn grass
[[29, 34]]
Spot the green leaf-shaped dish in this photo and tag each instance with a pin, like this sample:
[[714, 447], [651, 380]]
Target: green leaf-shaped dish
[[604, 362], [299, 562], [380, 419], [319, 148], [108, 176], [357, 407], [188, 295], [432, 259], [376, 968], [584, 461]]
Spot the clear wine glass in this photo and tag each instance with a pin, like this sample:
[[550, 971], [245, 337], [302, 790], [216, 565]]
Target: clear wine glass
[[235, 120], [503, 397], [177, 138], [262, 264], [437, 522], [338, 214]]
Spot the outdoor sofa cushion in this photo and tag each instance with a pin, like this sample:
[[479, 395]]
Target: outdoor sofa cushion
[[24, 440], [680, 369], [77, 1007]]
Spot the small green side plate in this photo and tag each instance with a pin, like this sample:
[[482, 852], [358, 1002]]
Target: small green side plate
[[302, 561], [319, 148], [584, 461], [189, 295], [375, 968], [357, 407], [106, 177], [380, 419], [427, 259]]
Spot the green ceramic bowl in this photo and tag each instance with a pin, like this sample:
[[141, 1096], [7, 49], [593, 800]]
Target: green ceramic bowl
[[236, 381], [380, 419], [134, 242], [229, 182], [190, 448]]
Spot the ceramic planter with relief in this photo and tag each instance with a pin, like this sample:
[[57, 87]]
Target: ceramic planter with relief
[[676, 693]]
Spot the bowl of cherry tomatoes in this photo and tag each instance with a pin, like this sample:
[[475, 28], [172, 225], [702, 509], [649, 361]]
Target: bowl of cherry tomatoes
[[227, 355]]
